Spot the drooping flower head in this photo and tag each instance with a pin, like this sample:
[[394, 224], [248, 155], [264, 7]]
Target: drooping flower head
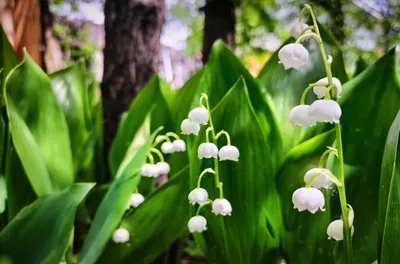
[[207, 150], [310, 199], [293, 55], [298, 116], [163, 168], [229, 152], [199, 115], [197, 224], [222, 207], [320, 181], [121, 235], [135, 200], [298, 28], [335, 230], [198, 195], [150, 170], [320, 90], [179, 145], [188, 127], [167, 147], [327, 111]]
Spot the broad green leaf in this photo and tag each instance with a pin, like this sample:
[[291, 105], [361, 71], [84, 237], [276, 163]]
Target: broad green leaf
[[150, 95], [223, 71], [38, 128], [361, 65], [8, 58], [304, 239], [389, 198], [155, 224], [252, 233], [72, 94], [41, 231], [286, 86], [113, 206]]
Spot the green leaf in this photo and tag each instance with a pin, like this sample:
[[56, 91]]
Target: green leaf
[[38, 127], [389, 198], [42, 230], [252, 233], [8, 58], [304, 240], [113, 206], [361, 65], [287, 86], [72, 94], [157, 222], [150, 95]]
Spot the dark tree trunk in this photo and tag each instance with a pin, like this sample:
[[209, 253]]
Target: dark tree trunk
[[219, 23], [131, 55]]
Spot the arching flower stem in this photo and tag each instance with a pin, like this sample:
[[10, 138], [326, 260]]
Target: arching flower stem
[[330, 175], [201, 206], [208, 170], [159, 154], [326, 153], [228, 138]]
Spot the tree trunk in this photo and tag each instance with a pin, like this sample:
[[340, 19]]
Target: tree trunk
[[131, 56], [219, 23]]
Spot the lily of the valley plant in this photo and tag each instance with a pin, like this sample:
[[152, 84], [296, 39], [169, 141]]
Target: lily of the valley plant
[[323, 109], [220, 206]]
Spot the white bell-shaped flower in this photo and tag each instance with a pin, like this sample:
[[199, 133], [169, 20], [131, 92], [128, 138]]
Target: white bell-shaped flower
[[207, 150], [163, 168], [121, 235], [198, 195], [197, 224], [135, 200], [320, 90], [222, 207], [335, 230], [188, 127], [320, 181], [293, 55], [297, 29], [310, 199], [167, 147], [179, 145], [229, 153], [298, 116], [199, 115], [327, 111], [150, 170]]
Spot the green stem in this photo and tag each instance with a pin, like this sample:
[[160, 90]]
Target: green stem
[[342, 195], [172, 134], [201, 206], [160, 139], [151, 158], [159, 154], [221, 191], [305, 30], [322, 159], [207, 131], [309, 35], [228, 138], [304, 95], [208, 170], [330, 175]]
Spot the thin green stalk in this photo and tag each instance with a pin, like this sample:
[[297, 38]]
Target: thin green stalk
[[342, 195], [208, 170], [228, 138], [159, 154], [323, 156], [201, 206]]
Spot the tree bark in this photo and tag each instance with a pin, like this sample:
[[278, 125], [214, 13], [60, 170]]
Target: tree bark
[[131, 55], [219, 23]]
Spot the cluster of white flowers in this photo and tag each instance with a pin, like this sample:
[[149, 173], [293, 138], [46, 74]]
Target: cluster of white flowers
[[220, 206], [153, 170], [323, 109]]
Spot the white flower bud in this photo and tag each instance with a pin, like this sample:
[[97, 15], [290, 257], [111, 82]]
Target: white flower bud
[[179, 145], [197, 224], [222, 207], [335, 230], [188, 127], [297, 29], [229, 153], [298, 116], [327, 111], [207, 150], [150, 170], [351, 215], [121, 235], [199, 115], [198, 195], [167, 147], [320, 90], [163, 168], [320, 181], [135, 200], [310, 199], [293, 55]]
